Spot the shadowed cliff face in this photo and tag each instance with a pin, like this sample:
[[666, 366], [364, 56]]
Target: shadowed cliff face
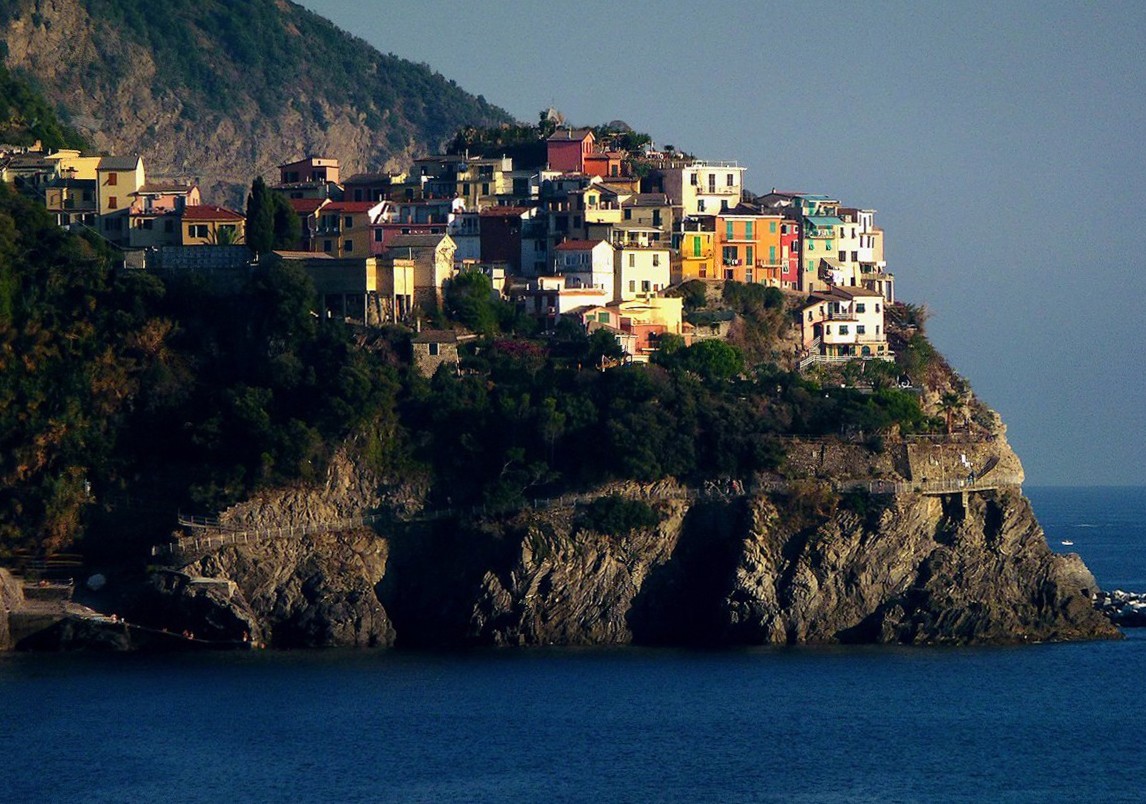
[[922, 571], [750, 571]]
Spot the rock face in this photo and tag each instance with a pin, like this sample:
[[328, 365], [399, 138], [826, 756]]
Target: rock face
[[311, 592], [11, 597], [756, 570], [801, 563]]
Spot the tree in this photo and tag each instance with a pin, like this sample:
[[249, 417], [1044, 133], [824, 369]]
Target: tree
[[287, 227], [260, 218], [468, 299], [948, 404]]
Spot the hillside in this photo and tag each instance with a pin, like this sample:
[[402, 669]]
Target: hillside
[[26, 117], [224, 91]]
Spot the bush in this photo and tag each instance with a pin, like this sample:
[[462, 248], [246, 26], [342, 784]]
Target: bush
[[615, 515]]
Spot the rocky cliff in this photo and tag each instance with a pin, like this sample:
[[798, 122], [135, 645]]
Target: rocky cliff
[[225, 91], [798, 563]]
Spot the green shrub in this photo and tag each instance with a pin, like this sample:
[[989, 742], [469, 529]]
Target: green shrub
[[617, 516]]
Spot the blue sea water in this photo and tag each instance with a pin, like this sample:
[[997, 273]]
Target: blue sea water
[[1029, 724]]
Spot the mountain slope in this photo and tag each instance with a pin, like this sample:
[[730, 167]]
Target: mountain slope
[[224, 91]]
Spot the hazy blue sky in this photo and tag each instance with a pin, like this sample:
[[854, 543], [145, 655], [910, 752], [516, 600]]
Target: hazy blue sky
[[1001, 143]]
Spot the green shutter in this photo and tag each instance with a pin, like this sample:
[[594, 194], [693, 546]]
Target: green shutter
[[748, 230], [696, 246], [772, 227], [772, 254]]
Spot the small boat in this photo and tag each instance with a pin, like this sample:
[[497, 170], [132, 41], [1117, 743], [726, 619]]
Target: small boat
[[1067, 543]]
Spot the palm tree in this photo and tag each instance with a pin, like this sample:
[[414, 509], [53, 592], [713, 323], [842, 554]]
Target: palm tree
[[950, 403]]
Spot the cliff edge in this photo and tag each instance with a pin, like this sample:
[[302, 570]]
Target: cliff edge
[[898, 559]]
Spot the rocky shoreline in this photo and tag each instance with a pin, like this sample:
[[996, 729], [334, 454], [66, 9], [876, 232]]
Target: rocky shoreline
[[1125, 609]]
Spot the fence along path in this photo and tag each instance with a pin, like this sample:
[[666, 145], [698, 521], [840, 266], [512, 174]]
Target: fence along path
[[732, 489]]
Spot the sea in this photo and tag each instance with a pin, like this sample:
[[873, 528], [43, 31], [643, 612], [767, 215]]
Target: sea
[[1036, 723]]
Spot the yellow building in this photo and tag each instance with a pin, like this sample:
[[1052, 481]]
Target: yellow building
[[209, 225], [695, 258]]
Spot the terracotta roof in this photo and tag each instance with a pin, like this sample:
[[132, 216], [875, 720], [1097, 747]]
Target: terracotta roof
[[351, 206], [578, 245], [306, 206], [210, 212]]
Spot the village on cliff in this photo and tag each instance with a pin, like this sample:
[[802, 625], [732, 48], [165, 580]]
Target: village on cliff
[[581, 231]]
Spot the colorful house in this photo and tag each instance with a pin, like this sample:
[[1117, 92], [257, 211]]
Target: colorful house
[[748, 246], [344, 228], [585, 264], [207, 224], [695, 258], [433, 258], [845, 323], [640, 324], [640, 271], [117, 178], [568, 148]]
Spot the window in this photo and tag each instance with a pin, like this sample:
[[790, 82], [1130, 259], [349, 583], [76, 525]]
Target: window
[[843, 329], [656, 217], [749, 255], [700, 205], [828, 246], [327, 246], [434, 349], [485, 188], [377, 235], [712, 182], [771, 227], [728, 235], [861, 329], [747, 230], [696, 246], [656, 260], [877, 329], [348, 245], [632, 260], [112, 202], [112, 179], [347, 222], [877, 308], [811, 245], [730, 181], [693, 179], [843, 256], [646, 286], [855, 256], [771, 255], [603, 318], [197, 230], [632, 286], [860, 307], [808, 265]]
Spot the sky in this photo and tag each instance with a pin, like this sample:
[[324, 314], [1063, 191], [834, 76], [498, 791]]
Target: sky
[[1000, 143]]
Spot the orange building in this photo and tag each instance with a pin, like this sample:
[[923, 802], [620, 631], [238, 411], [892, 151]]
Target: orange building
[[747, 246]]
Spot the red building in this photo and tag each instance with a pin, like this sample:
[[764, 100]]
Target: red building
[[568, 148], [790, 253]]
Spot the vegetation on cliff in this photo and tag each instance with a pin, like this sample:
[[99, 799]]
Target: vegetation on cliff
[[26, 117]]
